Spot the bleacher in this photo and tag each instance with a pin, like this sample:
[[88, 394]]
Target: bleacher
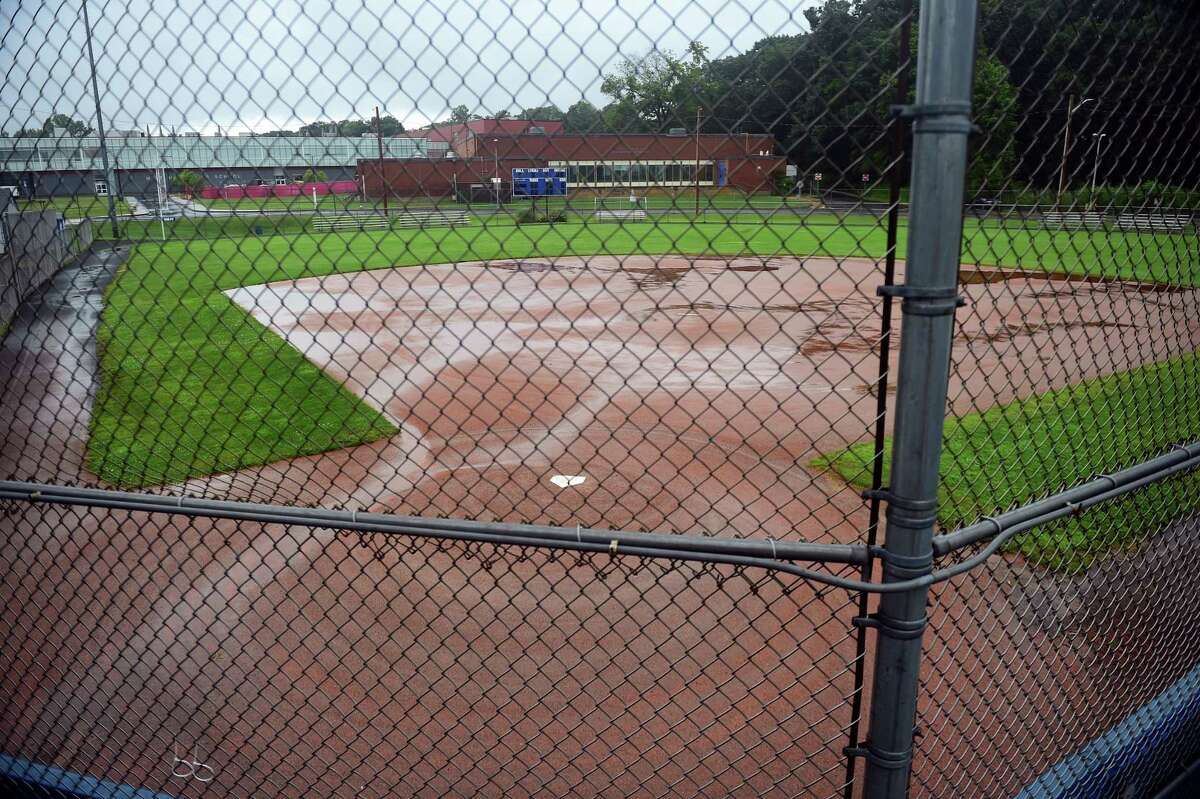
[[431, 218], [404, 219], [1074, 220], [1166, 223], [632, 213]]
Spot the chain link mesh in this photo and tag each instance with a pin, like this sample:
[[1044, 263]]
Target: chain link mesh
[[604, 266], [1074, 357], [336, 275]]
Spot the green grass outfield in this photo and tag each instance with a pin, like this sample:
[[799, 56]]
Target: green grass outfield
[[191, 385], [1149, 257], [74, 207], [1002, 457]]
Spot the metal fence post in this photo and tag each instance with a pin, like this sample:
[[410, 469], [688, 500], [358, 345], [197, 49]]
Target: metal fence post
[[941, 123]]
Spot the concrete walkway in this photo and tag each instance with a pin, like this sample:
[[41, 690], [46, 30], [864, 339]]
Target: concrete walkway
[[48, 371]]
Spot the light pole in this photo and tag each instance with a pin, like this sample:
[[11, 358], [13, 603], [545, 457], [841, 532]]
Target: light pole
[[1099, 137], [698, 110], [1062, 172], [496, 169], [112, 205], [382, 176]]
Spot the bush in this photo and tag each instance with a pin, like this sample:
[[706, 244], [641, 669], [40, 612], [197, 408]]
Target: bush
[[188, 182], [531, 216]]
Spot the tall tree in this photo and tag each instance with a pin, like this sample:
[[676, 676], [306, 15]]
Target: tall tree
[[353, 127], [583, 117], [542, 112], [995, 108], [661, 90], [74, 127]]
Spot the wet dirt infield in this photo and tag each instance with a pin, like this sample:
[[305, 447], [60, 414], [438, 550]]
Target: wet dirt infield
[[691, 393]]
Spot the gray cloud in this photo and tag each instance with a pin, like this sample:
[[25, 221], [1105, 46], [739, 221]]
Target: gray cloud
[[248, 64]]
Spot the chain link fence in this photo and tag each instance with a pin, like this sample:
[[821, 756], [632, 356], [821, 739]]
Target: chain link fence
[[492, 398]]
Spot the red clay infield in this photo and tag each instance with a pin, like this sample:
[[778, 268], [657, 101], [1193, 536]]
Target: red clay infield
[[691, 393]]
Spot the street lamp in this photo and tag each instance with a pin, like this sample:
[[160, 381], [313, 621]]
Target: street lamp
[[1062, 173], [108, 179], [698, 110], [496, 168], [1099, 137]]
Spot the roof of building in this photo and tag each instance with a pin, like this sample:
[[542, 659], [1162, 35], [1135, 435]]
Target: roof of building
[[455, 131], [205, 152]]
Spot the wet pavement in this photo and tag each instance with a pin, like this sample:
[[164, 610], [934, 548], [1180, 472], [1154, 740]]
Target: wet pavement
[[48, 371]]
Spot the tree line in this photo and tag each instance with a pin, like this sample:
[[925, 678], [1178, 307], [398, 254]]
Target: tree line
[[825, 94]]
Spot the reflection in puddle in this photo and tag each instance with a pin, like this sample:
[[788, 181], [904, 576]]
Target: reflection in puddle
[[820, 345]]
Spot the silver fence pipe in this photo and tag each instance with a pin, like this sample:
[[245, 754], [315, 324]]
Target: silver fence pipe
[[684, 547], [941, 124], [1155, 468]]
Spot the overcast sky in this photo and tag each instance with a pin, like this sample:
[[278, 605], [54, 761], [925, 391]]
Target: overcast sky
[[249, 64]]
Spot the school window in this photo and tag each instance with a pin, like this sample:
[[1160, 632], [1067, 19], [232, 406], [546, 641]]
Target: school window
[[101, 188]]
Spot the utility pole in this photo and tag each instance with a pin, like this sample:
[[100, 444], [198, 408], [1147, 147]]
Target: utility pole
[[108, 178], [1062, 172], [382, 178], [698, 110]]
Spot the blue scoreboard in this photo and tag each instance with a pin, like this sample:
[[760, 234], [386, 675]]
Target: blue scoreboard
[[548, 182]]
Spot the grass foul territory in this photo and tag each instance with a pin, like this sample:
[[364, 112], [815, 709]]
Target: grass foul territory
[[1011, 454]]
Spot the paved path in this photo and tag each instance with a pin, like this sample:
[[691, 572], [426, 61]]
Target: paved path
[[48, 371]]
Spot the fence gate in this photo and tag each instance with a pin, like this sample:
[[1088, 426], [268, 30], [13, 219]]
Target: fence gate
[[828, 428]]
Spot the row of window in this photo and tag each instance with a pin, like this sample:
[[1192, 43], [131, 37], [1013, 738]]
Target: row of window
[[680, 173]]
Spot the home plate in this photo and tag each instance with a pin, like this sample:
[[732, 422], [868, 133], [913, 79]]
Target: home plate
[[567, 480]]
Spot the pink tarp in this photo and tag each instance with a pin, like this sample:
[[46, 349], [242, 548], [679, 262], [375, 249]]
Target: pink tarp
[[288, 190]]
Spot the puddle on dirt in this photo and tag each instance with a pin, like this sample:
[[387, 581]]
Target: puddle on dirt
[[835, 314], [720, 306], [766, 266], [705, 308], [872, 389], [1088, 283], [532, 266], [647, 279], [1007, 331]]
